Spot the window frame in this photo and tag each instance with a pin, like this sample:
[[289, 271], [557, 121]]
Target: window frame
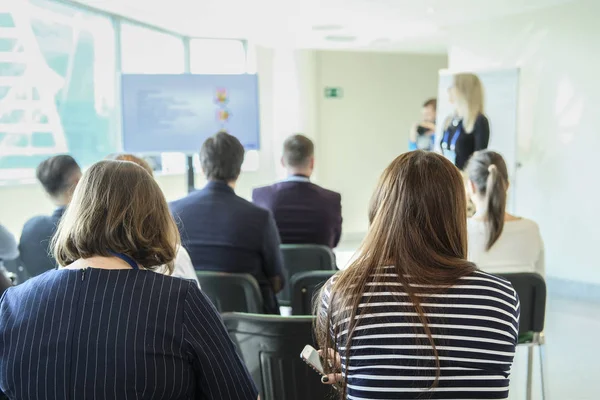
[[117, 22]]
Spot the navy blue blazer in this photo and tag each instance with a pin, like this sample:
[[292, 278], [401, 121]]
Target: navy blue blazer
[[305, 213], [223, 232], [34, 245], [116, 334]]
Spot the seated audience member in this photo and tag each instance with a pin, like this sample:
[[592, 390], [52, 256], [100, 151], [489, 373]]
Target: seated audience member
[[105, 325], [422, 134], [183, 264], [223, 232], [59, 176], [8, 245], [8, 251], [411, 318], [305, 213], [498, 241]]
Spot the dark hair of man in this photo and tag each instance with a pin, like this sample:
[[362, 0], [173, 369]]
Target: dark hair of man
[[54, 173], [431, 103], [297, 151], [221, 157]]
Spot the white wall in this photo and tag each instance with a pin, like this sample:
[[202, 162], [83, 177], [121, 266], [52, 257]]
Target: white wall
[[559, 122], [362, 132]]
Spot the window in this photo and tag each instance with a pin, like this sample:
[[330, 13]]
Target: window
[[217, 56], [144, 51], [57, 86]]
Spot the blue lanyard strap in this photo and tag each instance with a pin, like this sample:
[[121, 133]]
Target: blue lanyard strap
[[125, 258], [452, 145]]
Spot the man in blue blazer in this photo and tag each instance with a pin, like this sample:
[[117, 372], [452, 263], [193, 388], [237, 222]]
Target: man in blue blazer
[[305, 213], [223, 232], [59, 176]]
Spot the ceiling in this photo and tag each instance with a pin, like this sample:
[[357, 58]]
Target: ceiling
[[386, 25]]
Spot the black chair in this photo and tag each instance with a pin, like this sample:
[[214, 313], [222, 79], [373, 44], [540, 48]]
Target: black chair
[[231, 292], [305, 286], [531, 289], [302, 258], [270, 347]]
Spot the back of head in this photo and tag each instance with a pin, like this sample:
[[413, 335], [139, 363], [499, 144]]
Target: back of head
[[298, 151], [431, 103], [487, 170], [130, 157], [117, 206], [58, 175], [221, 157], [469, 99], [418, 217]]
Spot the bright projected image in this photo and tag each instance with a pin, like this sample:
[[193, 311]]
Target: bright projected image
[[176, 113]]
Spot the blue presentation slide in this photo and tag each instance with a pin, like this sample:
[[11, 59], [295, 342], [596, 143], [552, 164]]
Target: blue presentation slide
[[176, 113]]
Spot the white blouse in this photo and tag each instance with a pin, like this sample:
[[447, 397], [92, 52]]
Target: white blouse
[[183, 266], [518, 249]]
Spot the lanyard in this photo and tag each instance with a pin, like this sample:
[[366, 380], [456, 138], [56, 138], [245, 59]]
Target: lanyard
[[457, 132], [125, 258]]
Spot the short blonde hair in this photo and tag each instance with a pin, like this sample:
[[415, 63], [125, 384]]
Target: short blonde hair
[[117, 207], [470, 98], [134, 159]]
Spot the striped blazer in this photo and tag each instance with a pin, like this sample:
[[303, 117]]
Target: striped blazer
[[116, 334]]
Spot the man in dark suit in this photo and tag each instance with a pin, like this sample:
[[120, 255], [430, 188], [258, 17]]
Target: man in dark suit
[[305, 213], [223, 232], [59, 176]]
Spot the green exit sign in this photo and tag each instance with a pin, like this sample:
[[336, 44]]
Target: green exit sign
[[333, 92]]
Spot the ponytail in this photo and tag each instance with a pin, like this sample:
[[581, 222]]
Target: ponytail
[[495, 199]]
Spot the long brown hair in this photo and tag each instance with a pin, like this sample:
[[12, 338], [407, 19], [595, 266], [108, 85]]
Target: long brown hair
[[487, 170], [117, 206], [417, 225]]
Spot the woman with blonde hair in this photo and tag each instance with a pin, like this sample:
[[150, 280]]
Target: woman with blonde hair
[[105, 325], [411, 318], [183, 263], [468, 130]]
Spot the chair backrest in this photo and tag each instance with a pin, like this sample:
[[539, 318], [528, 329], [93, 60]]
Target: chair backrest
[[531, 289], [270, 347], [302, 258], [231, 292], [305, 286]]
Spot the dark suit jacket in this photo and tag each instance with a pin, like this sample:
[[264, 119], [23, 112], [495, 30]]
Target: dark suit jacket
[[34, 245], [305, 213], [223, 232]]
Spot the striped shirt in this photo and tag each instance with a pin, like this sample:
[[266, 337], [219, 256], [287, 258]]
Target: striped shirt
[[474, 325], [116, 334]]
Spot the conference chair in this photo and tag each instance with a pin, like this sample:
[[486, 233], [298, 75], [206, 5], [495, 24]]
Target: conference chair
[[231, 292], [305, 286], [531, 289], [270, 347], [301, 258]]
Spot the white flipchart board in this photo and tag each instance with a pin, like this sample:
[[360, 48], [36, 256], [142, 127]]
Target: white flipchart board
[[501, 91]]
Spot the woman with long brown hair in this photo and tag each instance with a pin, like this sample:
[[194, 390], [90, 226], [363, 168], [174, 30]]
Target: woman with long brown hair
[[499, 241], [411, 318]]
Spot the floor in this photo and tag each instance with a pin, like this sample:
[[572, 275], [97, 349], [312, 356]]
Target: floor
[[572, 354]]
